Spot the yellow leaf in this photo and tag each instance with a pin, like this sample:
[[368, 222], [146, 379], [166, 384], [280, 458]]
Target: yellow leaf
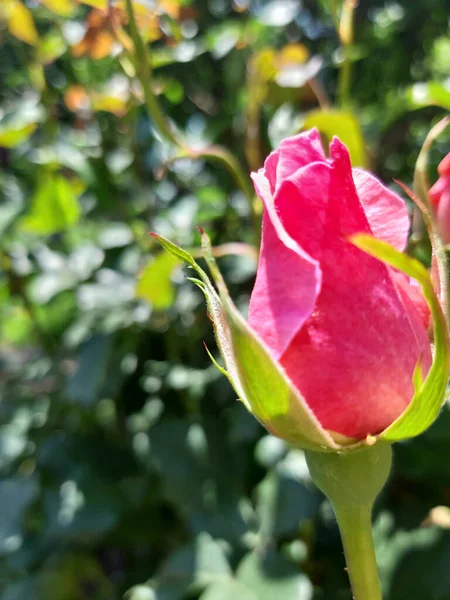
[[15, 135], [111, 104], [103, 4], [345, 126], [64, 8], [292, 53], [21, 24], [262, 64]]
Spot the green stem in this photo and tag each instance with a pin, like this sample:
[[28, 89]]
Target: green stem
[[352, 481], [346, 38], [224, 157], [334, 13], [345, 79], [356, 532], [142, 64]]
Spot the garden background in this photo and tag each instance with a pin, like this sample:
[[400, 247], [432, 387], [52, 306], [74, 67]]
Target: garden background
[[127, 467]]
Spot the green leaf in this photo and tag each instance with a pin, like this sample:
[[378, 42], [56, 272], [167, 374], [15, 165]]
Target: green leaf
[[51, 47], [283, 503], [428, 398], [94, 358], [154, 283], [175, 250], [191, 569], [16, 494], [429, 93], [229, 590], [16, 134], [410, 559], [271, 576], [54, 207], [345, 126]]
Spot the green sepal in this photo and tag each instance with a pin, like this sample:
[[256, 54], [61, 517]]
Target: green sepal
[[429, 395], [256, 377], [215, 311]]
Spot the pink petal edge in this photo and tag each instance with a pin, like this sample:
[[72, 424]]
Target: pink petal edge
[[277, 311], [386, 211]]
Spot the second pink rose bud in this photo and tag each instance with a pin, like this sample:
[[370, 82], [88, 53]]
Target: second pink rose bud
[[440, 199]]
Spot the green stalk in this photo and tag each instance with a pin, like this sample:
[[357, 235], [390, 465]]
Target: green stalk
[[334, 13], [142, 64], [356, 533], [346, 37], [352, 481]]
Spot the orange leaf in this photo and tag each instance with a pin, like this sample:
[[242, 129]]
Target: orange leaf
[[98, 40], [76, 98]]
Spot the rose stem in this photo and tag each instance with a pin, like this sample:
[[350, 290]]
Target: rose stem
[[352, 481]]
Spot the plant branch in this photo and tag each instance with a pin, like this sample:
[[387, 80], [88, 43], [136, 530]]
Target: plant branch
[[356, 533], [346, 36], [352, 481], [142, 63]]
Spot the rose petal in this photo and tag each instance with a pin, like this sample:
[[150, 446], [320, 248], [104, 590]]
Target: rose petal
[[417, 310], [293, 153], [386, 212], [287, 282], [443, 214], [444, 166], [438, 189], [354, 357]]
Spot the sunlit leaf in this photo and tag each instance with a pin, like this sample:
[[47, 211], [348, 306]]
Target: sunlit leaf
[[155, 284], [109, 103], [292, 53], [64, 8], [54, 207], [20, 23], [428, 93], [270, 575], [263, 64], [51, 47], [345, 126], [226, 590], [13, 136], [103, 4]]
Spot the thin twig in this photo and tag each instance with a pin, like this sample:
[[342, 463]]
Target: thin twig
[[346, 35], [142, 63]]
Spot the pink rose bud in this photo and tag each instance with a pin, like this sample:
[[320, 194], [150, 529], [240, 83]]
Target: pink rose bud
[[336, 353], [440, 199], [347, 329]]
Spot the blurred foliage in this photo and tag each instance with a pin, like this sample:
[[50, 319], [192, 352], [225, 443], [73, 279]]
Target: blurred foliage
[[128, 469]]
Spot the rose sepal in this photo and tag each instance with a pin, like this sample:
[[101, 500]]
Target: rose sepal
[[429, 394]]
